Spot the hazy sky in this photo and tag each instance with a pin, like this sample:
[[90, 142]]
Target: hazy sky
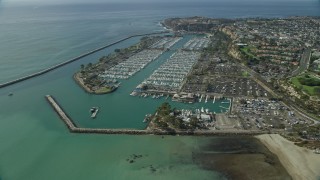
[[118, 1]]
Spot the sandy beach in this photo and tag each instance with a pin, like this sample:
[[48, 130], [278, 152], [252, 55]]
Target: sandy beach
[[300, 163]]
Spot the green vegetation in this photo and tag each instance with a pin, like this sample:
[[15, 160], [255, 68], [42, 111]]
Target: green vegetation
[[167, 118], [88, 75], [247, 50], [309, 80], [308, 84], [245, 74], [104, 90], [313, 58]]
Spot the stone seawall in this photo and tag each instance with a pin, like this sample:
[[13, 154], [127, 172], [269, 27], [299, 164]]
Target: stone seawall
[[73, 59], [74, 129]]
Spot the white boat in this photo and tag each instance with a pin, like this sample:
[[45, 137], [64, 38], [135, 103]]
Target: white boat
[[94, 111]]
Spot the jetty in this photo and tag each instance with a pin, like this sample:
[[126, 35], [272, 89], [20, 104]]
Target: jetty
[[74, 129], [75, 59], [69, 123]]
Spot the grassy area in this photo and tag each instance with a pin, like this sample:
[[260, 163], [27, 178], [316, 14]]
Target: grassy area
[[247, 50], [307, 83], [103, 90], [245, 74]]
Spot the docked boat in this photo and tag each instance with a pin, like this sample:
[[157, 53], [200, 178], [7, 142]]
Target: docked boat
[[94, 111]]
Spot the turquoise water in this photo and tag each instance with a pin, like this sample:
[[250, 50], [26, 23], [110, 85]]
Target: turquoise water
[[35, 144], [117, 110], [36, 36]]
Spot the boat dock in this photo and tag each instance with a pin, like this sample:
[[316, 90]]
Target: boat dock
[[74, 129], [132, 65], [197, 44], [170, 75]]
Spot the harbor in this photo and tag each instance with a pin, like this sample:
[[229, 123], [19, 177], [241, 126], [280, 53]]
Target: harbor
[[169, 77], [165, 43], [197, 44], [112, 106], [74, 129], [75, 59], [132, 65]]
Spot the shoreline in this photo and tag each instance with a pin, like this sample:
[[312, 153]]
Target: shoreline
[[240, 158], [73, 128], [79, 81], [301, 163], [53, 67]]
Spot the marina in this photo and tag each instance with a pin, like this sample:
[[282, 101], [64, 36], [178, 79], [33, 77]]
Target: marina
[[165, 43], [170, 76], [197, 44], [74, 59], [111, 106], [36, 143], [73, 128], [132, 65]]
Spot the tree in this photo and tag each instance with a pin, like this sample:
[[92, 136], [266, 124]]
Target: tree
[[194, 122], [102, 58], [82, 66], [317, 90], [89, 65], [178, 123]]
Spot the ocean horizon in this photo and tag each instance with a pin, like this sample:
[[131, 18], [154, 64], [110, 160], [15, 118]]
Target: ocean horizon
[[34, 142], [36, 36]]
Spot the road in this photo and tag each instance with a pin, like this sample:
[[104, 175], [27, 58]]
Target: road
[[304, 62]]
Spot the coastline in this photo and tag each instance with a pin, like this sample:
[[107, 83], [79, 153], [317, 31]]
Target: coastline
[[240, 158], [41, 72], [79, 81], [301, 163]]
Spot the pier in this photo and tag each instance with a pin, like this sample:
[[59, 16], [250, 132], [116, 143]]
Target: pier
[[74, 129], [74, 59]]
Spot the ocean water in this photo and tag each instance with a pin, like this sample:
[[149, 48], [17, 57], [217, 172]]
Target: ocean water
[[33, 37], [35, 144]]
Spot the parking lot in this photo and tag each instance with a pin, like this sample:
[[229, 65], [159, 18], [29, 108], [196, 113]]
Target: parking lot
[[225, 122], [235, 87], [231, 86], [261, 113]]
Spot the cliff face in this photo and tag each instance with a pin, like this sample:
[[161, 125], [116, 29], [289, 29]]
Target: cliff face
[[229, 31], [192, 24], [234, 52]]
